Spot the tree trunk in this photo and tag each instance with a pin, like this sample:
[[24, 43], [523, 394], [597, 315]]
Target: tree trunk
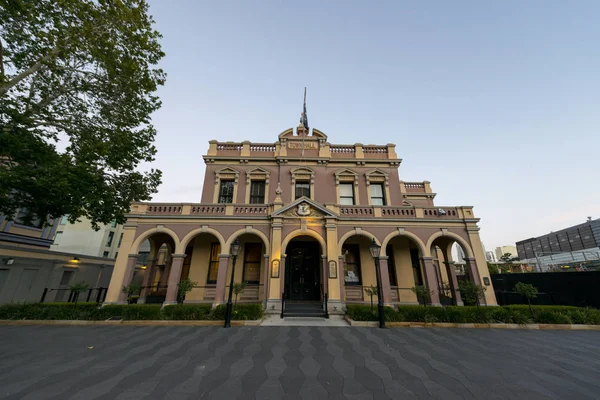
[[531, 309]]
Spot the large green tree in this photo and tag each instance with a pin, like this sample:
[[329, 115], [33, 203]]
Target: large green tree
[[78, 82]]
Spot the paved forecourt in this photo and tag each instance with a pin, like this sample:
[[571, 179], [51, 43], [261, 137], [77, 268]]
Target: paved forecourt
[[289, 362]]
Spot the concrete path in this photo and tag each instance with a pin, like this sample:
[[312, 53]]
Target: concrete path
[[102, 362]]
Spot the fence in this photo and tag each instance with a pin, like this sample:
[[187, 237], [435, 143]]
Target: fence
[[92, 294], [561, 288]]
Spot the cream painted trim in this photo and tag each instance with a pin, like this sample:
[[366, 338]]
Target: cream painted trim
[[353, 232], [460, 240], [226, 170], [240, 232], [376, 172], [187, 238], [300, 232], [298, 171], [347, 179], [145, 235], [409, 235]]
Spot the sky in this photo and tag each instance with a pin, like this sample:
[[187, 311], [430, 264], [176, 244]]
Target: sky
[[495, 103]]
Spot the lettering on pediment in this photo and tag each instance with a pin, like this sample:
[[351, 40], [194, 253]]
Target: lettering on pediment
[[300, 145], [303, 210]]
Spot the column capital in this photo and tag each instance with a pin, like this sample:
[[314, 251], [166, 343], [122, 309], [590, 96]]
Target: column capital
[[469, 258], [224, 256], [179, 255], [427, 258], [130, 256], [384, 258]]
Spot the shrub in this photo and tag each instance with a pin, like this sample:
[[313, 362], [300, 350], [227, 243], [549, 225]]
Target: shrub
[[423, 294], [187, 312], [131, 311], [241, 312], [359, 312], [470, 292], [48, 311], [184, 287]]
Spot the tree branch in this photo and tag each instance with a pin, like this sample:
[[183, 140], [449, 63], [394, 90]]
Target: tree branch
[[1, 60], [31, 70]]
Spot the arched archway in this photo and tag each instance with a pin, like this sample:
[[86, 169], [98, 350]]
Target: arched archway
[[244, 231], [304, 271], [150, 233], [191, 235], [300, 232], [358, 266], [404, 252], [449, 272], [354, 232]]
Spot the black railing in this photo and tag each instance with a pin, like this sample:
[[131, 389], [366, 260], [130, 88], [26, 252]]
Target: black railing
[[282, 304], [74, 296]]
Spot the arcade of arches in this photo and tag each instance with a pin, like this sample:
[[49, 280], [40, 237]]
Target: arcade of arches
[[305, 266]]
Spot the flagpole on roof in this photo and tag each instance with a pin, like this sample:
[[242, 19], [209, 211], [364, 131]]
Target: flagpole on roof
[[304, 121]]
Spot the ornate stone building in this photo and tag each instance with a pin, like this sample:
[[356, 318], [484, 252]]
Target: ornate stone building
[[305, 212]]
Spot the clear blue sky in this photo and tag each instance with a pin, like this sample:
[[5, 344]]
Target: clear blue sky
[[496, 103]]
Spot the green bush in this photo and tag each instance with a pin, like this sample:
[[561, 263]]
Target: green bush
[[241, 312], [48, 311], [187, 312], [515, 314], [133, 312], [359, 312]]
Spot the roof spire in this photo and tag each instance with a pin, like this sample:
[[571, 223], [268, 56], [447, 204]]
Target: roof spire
[[303, 116]]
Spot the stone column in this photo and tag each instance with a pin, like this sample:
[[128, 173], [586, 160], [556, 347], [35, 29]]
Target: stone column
[[341, 278], [451, 270], [385, 279], [174, 277], [221, 278], [324, 274], [474, 275], [267, 276], [131, 261], [282, 275], [148, 278], [431, 280]]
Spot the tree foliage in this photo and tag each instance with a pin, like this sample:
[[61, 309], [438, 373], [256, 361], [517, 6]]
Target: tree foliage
[[77, 87]]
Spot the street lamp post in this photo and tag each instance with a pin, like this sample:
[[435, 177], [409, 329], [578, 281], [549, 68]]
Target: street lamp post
[[375, 250], [235, 250]]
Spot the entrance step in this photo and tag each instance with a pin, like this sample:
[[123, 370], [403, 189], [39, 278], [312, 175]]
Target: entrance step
[[275, 320], [310, 310]]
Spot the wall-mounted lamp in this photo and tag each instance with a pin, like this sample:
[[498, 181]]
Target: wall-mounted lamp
[[144, 266], [275, 269], [75, 260], [9, 261]]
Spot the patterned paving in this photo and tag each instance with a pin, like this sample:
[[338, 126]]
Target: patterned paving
[[45, 362]]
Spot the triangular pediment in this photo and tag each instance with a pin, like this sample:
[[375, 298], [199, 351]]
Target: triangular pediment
[[376, 172], [227, 170], [345, 171], [303, 207], [258, 171]]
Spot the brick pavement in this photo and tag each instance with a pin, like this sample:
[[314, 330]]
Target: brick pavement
[[55, 362]]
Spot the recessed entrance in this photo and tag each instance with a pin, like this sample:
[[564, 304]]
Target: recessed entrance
[[302, 270]]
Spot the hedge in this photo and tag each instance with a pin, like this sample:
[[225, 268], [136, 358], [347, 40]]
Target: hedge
[[91, 312], [241, 312], [515, 314]]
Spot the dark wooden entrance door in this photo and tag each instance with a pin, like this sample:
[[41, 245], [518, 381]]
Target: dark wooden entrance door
[[302, 272]]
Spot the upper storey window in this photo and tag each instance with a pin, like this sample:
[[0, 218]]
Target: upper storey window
[[378, 187], [347, 194], [226, 192], [257, 186], [377, 196], [302, 189], [226, 186], [346, 182], [257, 192], [303, 182]]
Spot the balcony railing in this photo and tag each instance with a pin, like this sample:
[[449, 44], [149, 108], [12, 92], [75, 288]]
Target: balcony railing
[[264, 210]]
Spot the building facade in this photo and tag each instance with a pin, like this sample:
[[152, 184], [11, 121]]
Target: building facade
[[502, 250], [577, 246], [81, 238], [305, 212], [27, 266]]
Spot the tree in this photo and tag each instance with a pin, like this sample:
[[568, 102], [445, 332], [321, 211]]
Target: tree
[[78, 288], [131, 290], [423, 294], [77, 88], [184, 287], [493, 268], [529, 292], [471, 292], [372, 291], [238, 288]]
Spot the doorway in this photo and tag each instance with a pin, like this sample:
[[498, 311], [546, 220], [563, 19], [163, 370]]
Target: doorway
[[302, 272]]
